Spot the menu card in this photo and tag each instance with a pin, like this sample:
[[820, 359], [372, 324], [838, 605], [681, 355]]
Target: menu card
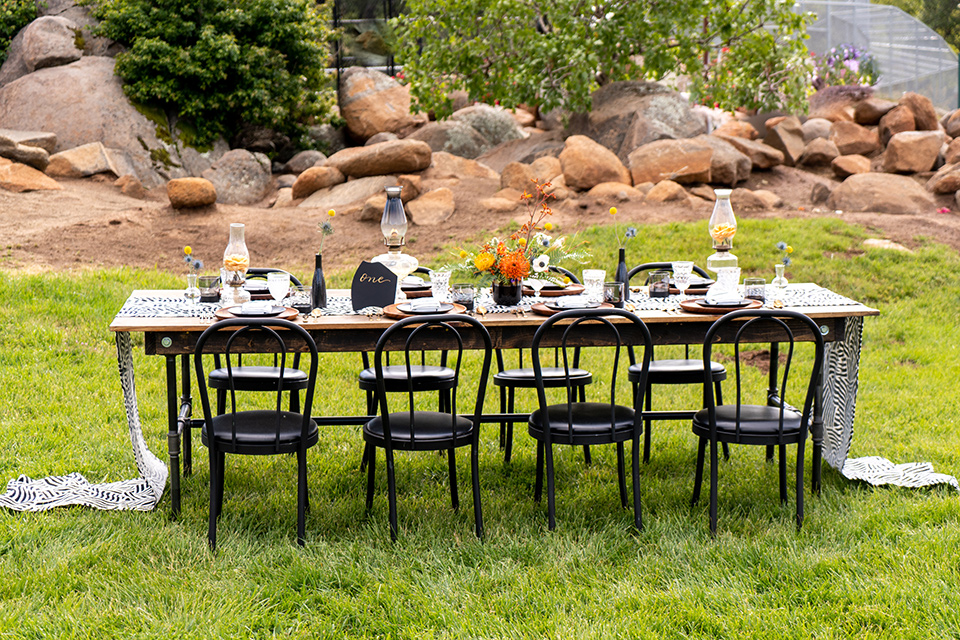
[[374, 285]]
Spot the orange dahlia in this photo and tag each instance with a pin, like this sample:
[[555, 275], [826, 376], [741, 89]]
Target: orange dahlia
[[514, 265]]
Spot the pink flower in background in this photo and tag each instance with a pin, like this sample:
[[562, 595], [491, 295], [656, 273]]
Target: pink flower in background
[[943, 210]]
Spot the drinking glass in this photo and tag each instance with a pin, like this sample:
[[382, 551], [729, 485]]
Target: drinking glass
[[593, 280], [613, 293], [440, 285], [682, 272], [300, 299], [659, 284], [209, 288], [462, 293], [536, 284], [754, 288], [278, 284], [728, 279]]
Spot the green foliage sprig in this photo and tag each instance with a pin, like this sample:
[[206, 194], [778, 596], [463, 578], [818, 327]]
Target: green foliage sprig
[[222, 64], [556, 54], [14, 15]]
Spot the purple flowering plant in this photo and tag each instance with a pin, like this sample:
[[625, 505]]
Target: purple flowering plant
[[845, 64]]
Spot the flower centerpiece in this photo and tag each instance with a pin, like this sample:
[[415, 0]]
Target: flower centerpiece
[[503, 263]]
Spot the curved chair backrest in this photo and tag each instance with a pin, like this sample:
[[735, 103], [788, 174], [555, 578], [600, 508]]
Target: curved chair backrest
[[574, 279], [762, 325], [592, 326], [660, 266], [260, 273], [421, 332], [228, 336]]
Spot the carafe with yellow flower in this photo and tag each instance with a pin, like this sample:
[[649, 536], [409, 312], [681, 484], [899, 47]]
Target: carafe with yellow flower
[[723, 226], [236, 261]]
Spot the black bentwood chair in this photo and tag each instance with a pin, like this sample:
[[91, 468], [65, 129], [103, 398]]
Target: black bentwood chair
[[256, 432], [419, 430], [576, 422], [761, 425], [509, 380], [255, 377], [681, 371]]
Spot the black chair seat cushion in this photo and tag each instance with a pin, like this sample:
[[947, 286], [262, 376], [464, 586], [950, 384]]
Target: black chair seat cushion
[[677, 372], [552, 377], [759, 424], [434, 431], [255, 378], [257, 432], [425, 378], [591, 423]]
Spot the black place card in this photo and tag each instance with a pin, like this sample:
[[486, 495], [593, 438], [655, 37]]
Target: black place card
[[373, 286]]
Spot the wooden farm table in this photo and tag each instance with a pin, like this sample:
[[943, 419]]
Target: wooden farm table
[[170, 334]]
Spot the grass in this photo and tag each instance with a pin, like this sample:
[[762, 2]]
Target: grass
[[867, 563]]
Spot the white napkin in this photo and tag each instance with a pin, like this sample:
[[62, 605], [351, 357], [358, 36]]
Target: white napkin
[[413, 281], [573, 302], [425, 304], [256, 308], [717, 296]]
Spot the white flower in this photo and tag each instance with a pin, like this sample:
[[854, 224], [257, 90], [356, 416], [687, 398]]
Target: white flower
[[541, 263]]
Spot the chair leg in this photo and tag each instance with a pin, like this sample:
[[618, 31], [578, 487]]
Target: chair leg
[[452, 468], [647, 423], [551, 496], [800, 447], [503, 425], [371, 460], [294, 401], [392, 495], [621, 475], [538, 486], [719, 394], [508, 443], [303, 501], [713, 487], [475, 484], [698, 480], [783, 474], [582, 397], [221, 401], [214, 506], [635, 469]]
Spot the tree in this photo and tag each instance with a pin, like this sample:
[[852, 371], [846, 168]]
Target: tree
[[736, 53], [221, 64]]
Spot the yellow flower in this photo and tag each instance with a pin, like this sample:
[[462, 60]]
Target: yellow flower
[[483, 261], [548, 226], [789, 249], [331, 213], [522, 242], [187, 250], [463, 254], [613, 211]]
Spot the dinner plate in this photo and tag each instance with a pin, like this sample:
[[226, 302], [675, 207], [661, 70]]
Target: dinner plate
[[417, 310], [699, 305], [285, 313], [569, 303], [546, 310], [555, 290], [273, 311]]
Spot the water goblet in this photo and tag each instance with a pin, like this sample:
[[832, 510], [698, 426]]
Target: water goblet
[[278, 284], [536, 284], [593, 280], [682, 272]]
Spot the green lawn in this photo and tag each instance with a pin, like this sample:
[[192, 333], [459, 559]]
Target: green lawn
[[867, 563]]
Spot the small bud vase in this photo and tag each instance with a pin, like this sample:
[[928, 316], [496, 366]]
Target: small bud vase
[[779, 283]]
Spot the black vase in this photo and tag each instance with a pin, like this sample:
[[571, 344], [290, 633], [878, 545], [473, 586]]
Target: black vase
[[621, 274], [507, 295], [318, 289]]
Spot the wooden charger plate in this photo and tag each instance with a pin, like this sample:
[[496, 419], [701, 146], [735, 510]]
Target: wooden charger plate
[[288, 313], [571, 289], [700, 306], [391, 311], [543, 310]]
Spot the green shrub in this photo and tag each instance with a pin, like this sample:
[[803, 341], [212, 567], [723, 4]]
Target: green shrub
[[223, 64], [14, 15]]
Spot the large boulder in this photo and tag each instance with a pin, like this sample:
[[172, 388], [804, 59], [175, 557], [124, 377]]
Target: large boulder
[[628, 115], [868, 112], [304, 160], [946, 179], [396, 156], [786, 136], [818, 153], [728, 166], [761, 155], [816, 128], [89, 159], [191, 193], [432, 208], [35, 157], [18, 178], [83, 102], [586, 164], [43, 139], [924, 114], [952, 153], [952, 124], [446, 166], [666, 191], [681, 161], [348, 193], [737, 128], [851, 138], [517, 175], [896, 120], [912, 151], [844, 166], [371, 102], [93, 45], [496, 125], [314, 179], [50, 42], [524, 150], [240, 177], [880, 193], [452, 136]]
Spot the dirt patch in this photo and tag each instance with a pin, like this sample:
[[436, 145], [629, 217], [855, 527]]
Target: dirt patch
[[90, 223]]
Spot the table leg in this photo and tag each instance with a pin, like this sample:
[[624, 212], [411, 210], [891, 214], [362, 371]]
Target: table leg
[[173, 433]]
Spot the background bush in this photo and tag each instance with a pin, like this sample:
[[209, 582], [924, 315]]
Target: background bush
[[14, 15], [223, 64]]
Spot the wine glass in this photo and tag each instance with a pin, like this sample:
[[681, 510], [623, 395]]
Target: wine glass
[[682, 271], [536, 284], [278, 284]]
